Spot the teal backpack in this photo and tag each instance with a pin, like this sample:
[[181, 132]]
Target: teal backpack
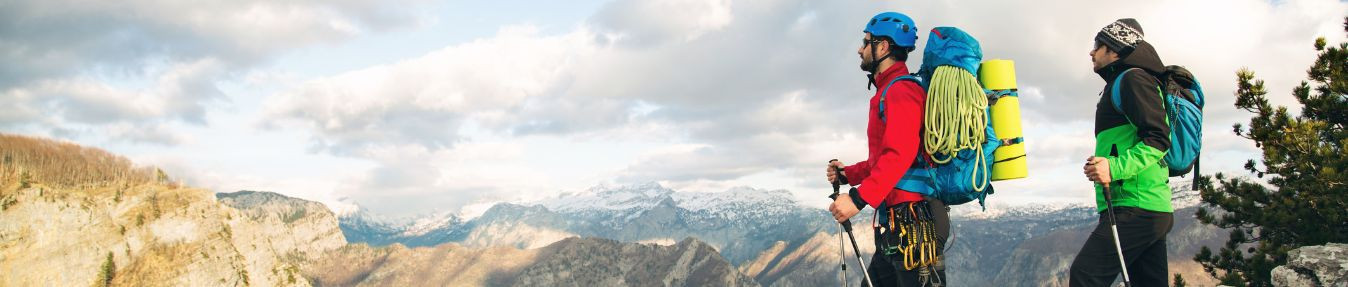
[[959, 180], [1183, 99]]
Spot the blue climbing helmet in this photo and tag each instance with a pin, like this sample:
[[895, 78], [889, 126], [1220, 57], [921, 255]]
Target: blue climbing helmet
[[896, 26]]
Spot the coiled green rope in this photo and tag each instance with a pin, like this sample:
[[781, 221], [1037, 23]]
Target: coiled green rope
[[956, 118]]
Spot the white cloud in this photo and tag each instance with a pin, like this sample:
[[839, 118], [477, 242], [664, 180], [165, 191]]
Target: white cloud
[[55, 37], [69, 62], [765, 138], [745, 89], [427, 100], [411, 179], [693, 94], [662, 21], [156, 133], [84, 104]]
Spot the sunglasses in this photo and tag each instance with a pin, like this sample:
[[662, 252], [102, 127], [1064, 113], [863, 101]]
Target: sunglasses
[[867, 42]]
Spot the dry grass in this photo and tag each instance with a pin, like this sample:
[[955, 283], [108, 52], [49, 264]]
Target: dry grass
[[25, 160], [161, 263]]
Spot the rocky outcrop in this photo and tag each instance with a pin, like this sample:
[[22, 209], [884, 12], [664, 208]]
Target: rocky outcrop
[[814, 262], [148, 234], [396, 265], [1322, 265], [295, 228], [77, 216], [604, 262]]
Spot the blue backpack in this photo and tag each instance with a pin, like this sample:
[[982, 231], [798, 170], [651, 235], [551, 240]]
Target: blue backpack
[[1183, 99], [953, 182]]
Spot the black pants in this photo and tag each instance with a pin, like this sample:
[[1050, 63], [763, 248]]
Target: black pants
[[1141, 234], [887, 273]]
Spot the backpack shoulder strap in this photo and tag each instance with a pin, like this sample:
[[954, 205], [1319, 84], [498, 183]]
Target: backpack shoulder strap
[[1114, 90], [908, 77]]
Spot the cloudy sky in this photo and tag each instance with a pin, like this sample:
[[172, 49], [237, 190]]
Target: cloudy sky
[[442, 106]]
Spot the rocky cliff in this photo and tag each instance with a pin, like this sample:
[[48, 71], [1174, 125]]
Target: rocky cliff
[[76, 216], [150, 234], [292, 227]]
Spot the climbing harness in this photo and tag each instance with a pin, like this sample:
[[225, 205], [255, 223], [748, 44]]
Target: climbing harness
[[909, 235]]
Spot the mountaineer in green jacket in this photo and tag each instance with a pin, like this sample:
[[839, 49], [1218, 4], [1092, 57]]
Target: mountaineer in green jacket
[[1129, 147]]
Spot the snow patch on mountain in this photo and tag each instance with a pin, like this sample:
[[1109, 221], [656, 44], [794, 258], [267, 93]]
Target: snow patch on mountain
[[699, 201], [1182, 196], [972, 211], [431, 223], [366, 217], [737, 203], [664, 241], [606, 197], [632, 200], [341, 207], [475, 210]]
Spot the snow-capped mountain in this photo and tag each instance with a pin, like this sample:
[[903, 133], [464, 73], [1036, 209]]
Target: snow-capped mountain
[[740, 203], [604, 198], [730, 220], [361, 226], [649, 195], [774, 238]]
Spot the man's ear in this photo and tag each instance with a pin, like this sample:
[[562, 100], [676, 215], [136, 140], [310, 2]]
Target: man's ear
[[1112, 55]]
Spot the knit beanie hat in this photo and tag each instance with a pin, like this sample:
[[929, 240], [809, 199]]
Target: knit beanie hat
[[1122, 36]]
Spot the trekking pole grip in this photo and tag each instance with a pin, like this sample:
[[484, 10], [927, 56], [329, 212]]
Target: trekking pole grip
[[839, 179]]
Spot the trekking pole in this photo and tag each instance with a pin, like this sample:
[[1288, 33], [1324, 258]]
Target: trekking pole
[[842, 256], [1114, 230], [842, 249], [847, 224]]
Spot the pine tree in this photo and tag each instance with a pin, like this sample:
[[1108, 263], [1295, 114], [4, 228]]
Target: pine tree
[[1306, 168], [107, 271], [1179, 281]]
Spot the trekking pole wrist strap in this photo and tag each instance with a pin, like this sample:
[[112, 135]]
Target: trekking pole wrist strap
[[856, 198]]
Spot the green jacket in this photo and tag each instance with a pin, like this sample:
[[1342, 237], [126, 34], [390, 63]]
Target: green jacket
[[1136, 140]]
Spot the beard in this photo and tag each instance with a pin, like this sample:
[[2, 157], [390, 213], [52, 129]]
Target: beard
[[867, 66]]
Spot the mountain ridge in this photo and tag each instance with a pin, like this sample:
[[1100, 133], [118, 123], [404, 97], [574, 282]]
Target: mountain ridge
[[156, 231], [780, 243], [123, 225]]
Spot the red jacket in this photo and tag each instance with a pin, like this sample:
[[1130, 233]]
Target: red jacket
[[892, 143]]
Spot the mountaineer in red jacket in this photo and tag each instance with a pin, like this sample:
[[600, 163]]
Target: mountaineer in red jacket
[[893, 131]]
